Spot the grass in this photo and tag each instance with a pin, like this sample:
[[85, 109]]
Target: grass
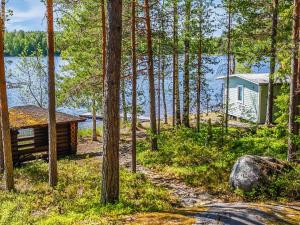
[[205, 161], [87, 132], [77, 196]]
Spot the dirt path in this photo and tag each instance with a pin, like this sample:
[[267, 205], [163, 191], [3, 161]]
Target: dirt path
[[187, 196], [201, 205]]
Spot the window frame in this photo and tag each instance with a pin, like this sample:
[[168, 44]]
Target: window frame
[[240, 87]]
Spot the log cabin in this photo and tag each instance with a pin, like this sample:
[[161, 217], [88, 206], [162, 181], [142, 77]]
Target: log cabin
[[29, 133]]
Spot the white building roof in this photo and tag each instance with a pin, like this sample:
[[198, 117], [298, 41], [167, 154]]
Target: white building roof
[[257, 78]]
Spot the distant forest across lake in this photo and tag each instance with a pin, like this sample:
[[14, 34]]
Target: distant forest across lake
[[21, 43], [25, 43]]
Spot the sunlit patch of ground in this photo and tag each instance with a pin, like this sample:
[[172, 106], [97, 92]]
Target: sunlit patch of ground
[[160, 218], [289, 213]]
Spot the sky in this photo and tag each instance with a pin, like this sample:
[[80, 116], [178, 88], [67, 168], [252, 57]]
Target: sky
[[28, 15]]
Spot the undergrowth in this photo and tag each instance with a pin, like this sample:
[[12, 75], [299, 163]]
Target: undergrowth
[[205, 160], [87, 132], [76, 199]]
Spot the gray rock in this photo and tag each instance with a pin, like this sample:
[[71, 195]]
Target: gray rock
[[253, 171]]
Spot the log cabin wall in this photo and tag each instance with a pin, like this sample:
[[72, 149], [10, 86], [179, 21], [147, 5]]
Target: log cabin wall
[[63, 139], [35, 145], [74, 134]]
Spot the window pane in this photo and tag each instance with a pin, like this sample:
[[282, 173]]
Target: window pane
[[240, 93]]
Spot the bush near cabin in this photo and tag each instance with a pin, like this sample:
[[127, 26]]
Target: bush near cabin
[[188, 155]]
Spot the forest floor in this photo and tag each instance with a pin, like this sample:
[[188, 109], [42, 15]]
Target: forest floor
[[196, 205], [185, 182]]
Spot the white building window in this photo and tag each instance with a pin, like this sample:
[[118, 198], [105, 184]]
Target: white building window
[[240, 93]]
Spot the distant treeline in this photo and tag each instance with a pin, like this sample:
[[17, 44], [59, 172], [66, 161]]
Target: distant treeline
[[23, 43], [19, 43]]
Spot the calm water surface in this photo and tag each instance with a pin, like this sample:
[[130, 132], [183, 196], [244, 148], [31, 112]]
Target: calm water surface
[[215, 66]]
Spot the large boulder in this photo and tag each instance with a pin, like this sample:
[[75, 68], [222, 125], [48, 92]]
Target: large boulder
[[254, 171]]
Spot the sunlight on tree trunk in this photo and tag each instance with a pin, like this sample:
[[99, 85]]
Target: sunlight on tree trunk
[[1, 144], [4, 120], [111, 121], [1, 151], [51, 98]]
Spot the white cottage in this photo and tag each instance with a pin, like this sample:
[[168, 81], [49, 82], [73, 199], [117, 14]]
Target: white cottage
[[248, 95]]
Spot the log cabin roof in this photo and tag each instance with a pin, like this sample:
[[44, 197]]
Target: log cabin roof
[[29, 116]]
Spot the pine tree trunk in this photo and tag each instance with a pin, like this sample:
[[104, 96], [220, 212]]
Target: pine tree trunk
[[103, 21], [111, 120], [124, 104], [186, 92], [134, 85], [176, 94], [292, 148], [4, 120], [94, 132], [270, 102], [1, 144], [233, 64], [1, 151], [159, 86], [228, 65], [163, 73], [198, 105], [151, 77], [51, 97]]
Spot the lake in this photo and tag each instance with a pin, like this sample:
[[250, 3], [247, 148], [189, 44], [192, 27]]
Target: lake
[[214, 67]]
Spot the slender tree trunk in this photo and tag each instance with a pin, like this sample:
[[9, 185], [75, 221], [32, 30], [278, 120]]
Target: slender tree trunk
[[233, 64], [293, 131], [124, 104], [163, 73], [134, 84], [4, 120], [186, 92], [198, 105], [1, 144], [51, 97], [1, 150], [159, 86], [103, 20], [176, 94], [270, 102], [228, 65], [94, 133], [207, 104], [151, 77], [111, 121]]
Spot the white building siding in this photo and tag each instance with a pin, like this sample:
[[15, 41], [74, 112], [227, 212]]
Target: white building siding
[[248, 107]]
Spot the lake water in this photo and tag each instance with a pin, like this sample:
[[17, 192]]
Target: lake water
[[214, 67]]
